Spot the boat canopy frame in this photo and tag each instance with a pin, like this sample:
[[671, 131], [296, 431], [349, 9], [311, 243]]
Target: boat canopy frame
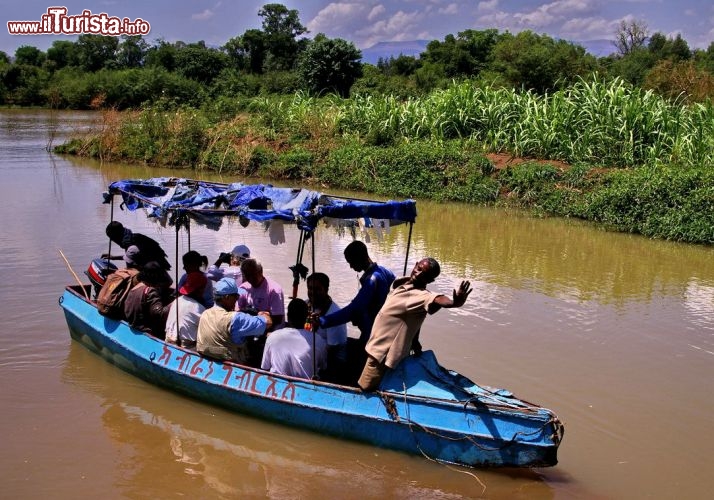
[[177, 201]]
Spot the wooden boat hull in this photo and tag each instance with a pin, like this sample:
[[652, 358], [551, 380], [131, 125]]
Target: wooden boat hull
[[423, 408]]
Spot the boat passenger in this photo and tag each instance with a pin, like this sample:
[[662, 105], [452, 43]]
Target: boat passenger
[[293, 350], [401, 317], [321, 304], [262, 293], [194, 262], [374, 287], [147, 305], [234, 260], [182, 323], [149, 249], [224, 333]]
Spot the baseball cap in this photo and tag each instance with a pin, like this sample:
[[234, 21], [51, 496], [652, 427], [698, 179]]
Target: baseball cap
[[227, 286], [241, 251]]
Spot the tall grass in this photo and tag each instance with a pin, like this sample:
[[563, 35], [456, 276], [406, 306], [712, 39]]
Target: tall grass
[[594, 121]]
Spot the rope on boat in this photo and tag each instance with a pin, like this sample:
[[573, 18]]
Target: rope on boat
[[416, 441], [506, 443]]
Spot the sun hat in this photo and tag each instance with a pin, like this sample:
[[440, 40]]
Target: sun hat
[[241, 251], [195, 280], [227, 286]]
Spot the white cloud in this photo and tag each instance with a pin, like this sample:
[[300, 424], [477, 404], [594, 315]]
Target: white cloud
[[376, 11], [450, 9], [203, 16], [339, 18], [488, 6], [587, 28], [400, 26]]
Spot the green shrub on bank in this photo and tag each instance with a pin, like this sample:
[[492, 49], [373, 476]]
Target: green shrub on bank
[[661, 202], [421, 169]]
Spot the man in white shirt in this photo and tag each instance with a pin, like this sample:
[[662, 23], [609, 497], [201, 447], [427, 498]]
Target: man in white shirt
[[293, 350], [186, 310], [321, 304]]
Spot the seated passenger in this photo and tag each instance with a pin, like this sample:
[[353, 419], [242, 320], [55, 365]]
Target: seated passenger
[[192, 262], [335, 337], [293, 350], [223, 333], [262, 293], [185, 312], [234, 260], [146, 306]]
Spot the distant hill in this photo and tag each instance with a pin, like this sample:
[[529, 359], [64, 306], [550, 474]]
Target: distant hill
[[598, 48], [385, 50]]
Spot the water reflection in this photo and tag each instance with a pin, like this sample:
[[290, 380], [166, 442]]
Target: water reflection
[[170, 444]]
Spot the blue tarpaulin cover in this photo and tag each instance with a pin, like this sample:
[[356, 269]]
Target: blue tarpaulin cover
[[176, 200]]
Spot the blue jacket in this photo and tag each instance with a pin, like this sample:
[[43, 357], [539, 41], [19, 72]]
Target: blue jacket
[[375, 284]]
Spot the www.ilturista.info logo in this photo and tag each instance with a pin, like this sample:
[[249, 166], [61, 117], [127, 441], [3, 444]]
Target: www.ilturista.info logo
[[57, 22]]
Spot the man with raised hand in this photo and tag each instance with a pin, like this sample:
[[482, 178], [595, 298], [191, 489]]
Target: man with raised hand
[[401, 317]]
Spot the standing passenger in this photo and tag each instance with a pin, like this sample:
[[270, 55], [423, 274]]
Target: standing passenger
[[401, 318], [374, 287]]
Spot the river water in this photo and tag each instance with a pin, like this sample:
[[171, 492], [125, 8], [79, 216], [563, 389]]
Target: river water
[[613, 332]]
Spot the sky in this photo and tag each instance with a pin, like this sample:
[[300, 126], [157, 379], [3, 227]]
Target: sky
[[367, 22]]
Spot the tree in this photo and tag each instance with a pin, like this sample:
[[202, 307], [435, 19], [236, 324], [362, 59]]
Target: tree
[[132, 51], [630, 36], [281, 27], [162, 55], [675, 49], [96, 52], [4, 58], [200, 63], [539, 63], [32, 56], [330, 65], [247, 52], [62, 53]]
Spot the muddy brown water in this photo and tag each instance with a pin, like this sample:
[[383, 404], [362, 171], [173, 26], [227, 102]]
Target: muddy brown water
[[613, 332]]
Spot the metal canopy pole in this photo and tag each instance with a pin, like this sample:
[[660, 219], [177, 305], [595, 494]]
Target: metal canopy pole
[[409, 243], [111, 219]]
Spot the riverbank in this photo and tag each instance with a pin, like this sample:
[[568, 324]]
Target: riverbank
[[649, 172]]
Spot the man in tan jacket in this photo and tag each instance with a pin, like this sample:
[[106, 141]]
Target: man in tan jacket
[[401, 317]]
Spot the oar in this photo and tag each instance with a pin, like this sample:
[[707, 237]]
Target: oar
[[81, 285]]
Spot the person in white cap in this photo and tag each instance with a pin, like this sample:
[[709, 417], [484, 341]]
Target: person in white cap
[[224, 333], [234, 259]]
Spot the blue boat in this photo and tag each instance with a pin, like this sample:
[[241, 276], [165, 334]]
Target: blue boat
[[421, 407]]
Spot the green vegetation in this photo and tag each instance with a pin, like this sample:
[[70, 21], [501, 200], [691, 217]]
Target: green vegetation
[[626, 141]]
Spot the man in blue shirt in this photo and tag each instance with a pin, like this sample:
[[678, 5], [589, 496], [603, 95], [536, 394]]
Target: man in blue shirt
[[223, 333], [374, 287]]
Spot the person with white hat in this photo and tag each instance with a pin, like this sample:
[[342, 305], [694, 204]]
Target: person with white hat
[[234, 259], [224, 333]]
